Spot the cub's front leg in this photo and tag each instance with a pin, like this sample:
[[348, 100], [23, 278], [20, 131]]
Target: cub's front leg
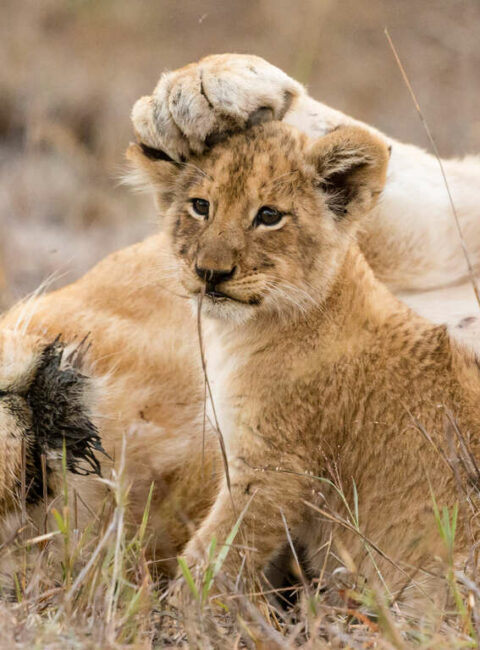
[[264, 499]]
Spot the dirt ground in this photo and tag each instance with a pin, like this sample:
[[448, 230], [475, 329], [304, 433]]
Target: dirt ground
[[72, 69]]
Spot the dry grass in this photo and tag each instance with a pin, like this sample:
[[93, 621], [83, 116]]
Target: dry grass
[[96, 589]]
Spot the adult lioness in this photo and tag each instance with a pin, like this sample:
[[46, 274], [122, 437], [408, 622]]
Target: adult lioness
[[143, 336], [314, 364]]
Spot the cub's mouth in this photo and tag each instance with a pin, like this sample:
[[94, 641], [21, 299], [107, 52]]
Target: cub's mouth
[[216, 296], [221, 288], [221, 293], [211, 291]]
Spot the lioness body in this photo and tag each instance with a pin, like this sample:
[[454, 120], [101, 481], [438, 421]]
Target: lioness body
[[144, 354]]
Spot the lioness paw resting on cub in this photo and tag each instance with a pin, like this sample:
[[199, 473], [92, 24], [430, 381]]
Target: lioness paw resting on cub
[[314, 364]]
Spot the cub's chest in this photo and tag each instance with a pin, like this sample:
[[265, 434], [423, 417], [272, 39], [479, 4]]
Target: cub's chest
[[239, 388], [221, 368]]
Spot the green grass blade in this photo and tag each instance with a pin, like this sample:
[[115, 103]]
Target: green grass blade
[[146, 513], [229, 541], [188, 577]]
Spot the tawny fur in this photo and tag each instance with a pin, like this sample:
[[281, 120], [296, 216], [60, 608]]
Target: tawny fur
[[143, 333], [151, 391], [350, 379]]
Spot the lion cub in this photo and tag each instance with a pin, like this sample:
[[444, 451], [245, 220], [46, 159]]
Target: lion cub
[[331, 394]]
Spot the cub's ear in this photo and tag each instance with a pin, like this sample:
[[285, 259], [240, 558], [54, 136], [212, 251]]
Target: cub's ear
[[351, 166], [152, 170]]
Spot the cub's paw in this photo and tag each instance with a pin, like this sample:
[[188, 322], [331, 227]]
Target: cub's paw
[[195, 106]]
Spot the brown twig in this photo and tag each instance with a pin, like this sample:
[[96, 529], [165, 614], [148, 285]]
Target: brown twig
[[23, 483], [204, 425], [294, 553], [43, 463], [209, 390]]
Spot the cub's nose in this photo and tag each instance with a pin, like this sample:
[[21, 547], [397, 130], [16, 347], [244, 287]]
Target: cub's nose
[[214, 276]]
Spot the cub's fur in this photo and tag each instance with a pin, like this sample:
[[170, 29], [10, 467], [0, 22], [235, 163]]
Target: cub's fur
[[317, 369]]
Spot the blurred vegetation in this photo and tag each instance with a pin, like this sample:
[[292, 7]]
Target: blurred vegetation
[[73, 68]]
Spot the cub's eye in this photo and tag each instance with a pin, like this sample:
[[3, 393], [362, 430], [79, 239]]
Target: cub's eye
[[200, 207], [267, 216]]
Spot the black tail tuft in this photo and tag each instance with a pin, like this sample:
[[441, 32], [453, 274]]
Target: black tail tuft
[[57, 399]]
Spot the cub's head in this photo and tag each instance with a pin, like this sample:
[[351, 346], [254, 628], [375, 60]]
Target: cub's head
[[262, 222]]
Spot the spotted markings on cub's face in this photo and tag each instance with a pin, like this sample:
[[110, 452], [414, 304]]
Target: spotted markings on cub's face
[[319, 187], [259, 170]]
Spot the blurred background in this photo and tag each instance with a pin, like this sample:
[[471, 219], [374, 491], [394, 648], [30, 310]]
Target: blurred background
[[73, 68]]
